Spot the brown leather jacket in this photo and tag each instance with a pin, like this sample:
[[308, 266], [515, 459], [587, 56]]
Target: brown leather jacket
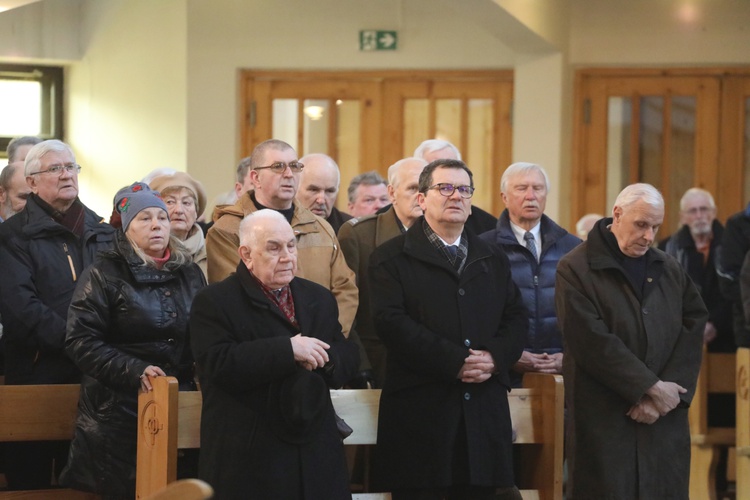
[[319, 256]]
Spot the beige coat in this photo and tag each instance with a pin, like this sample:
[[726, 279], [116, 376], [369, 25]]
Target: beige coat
[[319, 256]]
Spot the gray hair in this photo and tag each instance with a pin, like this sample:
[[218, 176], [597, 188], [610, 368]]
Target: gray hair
[[242, 169], [371, 178], [639, 192], [247, 234], [6, 176], [583, 223], [522, 167], [432, 145], [696, 191], [34, 157], [14, 144], [323, 157], [393, 169]]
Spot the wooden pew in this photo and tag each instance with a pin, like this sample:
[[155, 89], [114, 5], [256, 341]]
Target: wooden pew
[[743, 423], [169, 420], [39, 413], [717, 375]]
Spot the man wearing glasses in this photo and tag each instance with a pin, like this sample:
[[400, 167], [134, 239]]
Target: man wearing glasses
[[43, 250], [534, 243], [451, 319], [275, 175]]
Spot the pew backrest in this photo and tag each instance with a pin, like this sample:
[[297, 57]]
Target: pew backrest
[[743, 419], [39, 413], [169, 420]]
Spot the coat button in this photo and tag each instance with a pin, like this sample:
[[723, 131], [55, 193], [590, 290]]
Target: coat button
[[645, 311], [171, 341], [467, 342], [461, 292], [467, 396], [174, 315], [167, 293]]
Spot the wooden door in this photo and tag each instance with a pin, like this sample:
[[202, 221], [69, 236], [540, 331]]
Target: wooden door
[[655, 127], [368, 120]]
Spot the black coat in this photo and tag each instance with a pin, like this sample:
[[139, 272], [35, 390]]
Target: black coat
[[40, 261], [123, 317], [428, 317], [242, 346]]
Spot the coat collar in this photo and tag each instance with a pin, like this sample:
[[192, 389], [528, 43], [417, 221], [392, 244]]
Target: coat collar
[[386, 226], [258, 298], [549, 229], [39, 224], [417, 246]]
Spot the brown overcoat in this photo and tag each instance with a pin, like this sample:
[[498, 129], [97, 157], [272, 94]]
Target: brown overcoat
[[618, 342]]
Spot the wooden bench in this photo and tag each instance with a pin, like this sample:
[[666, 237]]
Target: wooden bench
[[169, 420], [39, 413], [743, 420], [717, 376]]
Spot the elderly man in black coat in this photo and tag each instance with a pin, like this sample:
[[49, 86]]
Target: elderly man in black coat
[[451, 319], [268, 347], [632, 323]]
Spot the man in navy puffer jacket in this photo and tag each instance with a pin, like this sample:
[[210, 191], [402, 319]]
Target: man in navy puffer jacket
[[534, 244]]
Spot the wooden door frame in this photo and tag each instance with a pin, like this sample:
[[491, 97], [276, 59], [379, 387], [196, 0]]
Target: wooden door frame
[[378, 147], [718, 163]]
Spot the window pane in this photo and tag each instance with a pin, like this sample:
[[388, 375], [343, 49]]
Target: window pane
[[416, 124], [681, 155], [285, 121], [448, 120], [651, 140], [348, 144], [316, 116], [479, 151], [620, 113], [21, 105]]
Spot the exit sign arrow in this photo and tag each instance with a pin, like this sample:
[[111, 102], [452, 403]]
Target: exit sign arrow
[[373, 40]]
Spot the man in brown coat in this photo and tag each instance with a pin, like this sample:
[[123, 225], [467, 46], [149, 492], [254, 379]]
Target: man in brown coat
[[274, 172], [632, 324]]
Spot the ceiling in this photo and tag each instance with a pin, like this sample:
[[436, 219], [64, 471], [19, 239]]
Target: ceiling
[[12, 4]]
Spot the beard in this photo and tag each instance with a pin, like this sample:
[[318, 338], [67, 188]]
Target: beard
[[700, 229]]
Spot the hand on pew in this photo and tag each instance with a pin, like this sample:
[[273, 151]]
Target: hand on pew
[[150, 371]]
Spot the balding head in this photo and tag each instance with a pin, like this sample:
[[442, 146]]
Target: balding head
[[319, 184], [268, 248]]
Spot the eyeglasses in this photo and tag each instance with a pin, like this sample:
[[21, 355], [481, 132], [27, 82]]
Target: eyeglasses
[[279, 167], [448, 190], [59, 169]]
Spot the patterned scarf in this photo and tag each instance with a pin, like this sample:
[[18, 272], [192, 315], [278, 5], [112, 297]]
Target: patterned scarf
[[281, 298]]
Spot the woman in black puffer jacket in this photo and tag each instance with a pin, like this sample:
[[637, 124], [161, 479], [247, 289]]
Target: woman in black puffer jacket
[[128, 320]]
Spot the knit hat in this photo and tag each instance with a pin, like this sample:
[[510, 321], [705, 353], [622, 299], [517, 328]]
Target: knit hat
[[132, 199], [182, 180]]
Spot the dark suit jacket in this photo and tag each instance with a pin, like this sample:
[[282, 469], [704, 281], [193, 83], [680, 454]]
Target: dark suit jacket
[[241, 344], [428, 318]]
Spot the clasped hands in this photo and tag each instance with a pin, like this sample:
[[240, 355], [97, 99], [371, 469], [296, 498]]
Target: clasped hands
[[309, 352], [478, 367], [542, 363], [660, 399]]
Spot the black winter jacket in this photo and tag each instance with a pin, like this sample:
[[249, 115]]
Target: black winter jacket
[[40, 261], [124, 316]]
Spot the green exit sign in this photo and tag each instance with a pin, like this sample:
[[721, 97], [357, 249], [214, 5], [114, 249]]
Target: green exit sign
[[378, 40]]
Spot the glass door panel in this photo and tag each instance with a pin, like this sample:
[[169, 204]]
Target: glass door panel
[[480, 134], [348, 144], [416, 124], [662, 130], [317, 120], [448, 120]]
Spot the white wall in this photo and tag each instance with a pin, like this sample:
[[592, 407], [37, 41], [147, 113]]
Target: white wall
[[663, 32], [126, 96], [225, 36]]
